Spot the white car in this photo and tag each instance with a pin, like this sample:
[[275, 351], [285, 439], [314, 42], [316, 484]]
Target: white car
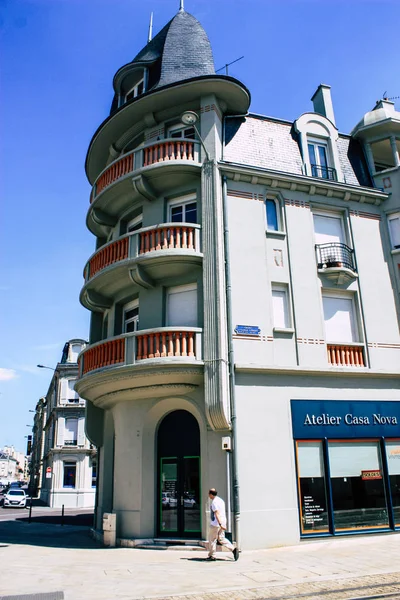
[[15, 498]]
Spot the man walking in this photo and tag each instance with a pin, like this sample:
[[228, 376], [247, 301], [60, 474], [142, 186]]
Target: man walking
[[218, 526]]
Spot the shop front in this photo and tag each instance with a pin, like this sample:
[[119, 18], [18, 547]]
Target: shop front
[[348, 465]]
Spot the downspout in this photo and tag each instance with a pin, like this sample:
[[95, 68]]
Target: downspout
[[231, 367]]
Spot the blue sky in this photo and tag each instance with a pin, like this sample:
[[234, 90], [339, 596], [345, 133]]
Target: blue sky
[[58, 60]]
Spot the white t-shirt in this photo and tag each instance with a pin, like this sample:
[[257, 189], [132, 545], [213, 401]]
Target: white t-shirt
[[218, 505]]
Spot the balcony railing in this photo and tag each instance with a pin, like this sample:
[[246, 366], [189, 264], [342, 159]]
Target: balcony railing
[[159, 152], [171, 236], [345, 355], [323, 172], [161, 343], [335, 255]]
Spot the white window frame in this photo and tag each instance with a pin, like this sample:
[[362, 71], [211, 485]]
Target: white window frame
[[75, 399], [182, 128], [134, 89], [176, 290], [76, 432], [357, 329], [282, 288], [126, 308], [392, 217], [131, 225], [182, 201], [325, 143]]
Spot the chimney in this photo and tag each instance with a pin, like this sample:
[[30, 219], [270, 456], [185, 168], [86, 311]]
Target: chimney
[[323, 102]]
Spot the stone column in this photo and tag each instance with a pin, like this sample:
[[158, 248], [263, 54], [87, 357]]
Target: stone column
[[370, 157]]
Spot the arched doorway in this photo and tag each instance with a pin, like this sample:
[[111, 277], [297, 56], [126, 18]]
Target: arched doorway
[[178, 452]]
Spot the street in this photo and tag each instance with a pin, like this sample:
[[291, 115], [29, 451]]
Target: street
[[50, 558]]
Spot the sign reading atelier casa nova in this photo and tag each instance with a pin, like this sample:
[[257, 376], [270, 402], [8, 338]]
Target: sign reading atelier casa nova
[[342, 419], [247, 330]]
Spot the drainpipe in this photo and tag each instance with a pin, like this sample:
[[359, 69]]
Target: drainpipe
[[231, 366]]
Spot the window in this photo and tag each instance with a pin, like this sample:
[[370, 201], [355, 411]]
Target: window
[[312, 489], [131, 316], [393, 460], [359, 499], [328, 228], [71, 432], [137, 90], [69, 474], [74, 350], [271, 207], [318, 155], [394, 229], [183, 210], [134, 224], [94, 472], [280, 307], [188, 133], [340, 320], [73, 396], [182, 306]]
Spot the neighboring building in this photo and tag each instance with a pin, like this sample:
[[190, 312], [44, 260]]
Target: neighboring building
[[9, 469], [21, 471], [244, 292], [37, 449], [63, 466]]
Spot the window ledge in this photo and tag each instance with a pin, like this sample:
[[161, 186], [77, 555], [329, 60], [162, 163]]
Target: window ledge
[[275, 234], [395, 251], [288, 330]]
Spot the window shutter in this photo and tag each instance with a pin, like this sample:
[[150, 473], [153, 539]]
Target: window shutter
[[60, 431], [328, 229], [339, 319], [182, 308], [63, 391], [81, 432], [280, 308]]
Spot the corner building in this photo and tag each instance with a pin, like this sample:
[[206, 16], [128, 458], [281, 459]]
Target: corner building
[[245, 296]]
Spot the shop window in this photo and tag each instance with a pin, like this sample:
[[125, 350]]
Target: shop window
[[393, 461], [71, 432], [131, 316], [69, 479], [280, 306], [272, 212], [312, 488], [183, 210], [182, 306], [358, 490], [394, 229], [340, 318]]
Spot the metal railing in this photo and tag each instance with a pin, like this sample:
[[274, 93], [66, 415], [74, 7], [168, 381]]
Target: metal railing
[[156, 152], [169, 236], [323, 172], [130, 348], [335, 255]]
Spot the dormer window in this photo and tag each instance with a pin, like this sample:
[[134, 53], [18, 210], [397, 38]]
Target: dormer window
[[136, 91], [318, 156]]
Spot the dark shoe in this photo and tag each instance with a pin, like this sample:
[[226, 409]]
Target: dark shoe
[[211, 558], [236, 553]]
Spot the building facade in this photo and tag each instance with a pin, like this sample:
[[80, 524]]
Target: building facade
[[245, 299], [9, 469], [63, 461]]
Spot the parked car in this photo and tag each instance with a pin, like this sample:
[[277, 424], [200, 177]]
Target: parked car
[[168, 501], [15, 498]]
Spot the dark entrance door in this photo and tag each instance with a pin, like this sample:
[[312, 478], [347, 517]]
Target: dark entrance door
[[179, 476]]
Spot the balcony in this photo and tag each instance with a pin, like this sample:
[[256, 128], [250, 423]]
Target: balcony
[[143, 258], [336, 261], [165, 351], [346, 355], [323, 172], [142, 173]]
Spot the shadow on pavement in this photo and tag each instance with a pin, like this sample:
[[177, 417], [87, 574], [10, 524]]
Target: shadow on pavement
[[39, 533], [81, 520]]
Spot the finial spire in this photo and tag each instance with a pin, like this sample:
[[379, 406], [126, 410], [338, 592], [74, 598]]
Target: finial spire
[[150, 36], [181, 6]]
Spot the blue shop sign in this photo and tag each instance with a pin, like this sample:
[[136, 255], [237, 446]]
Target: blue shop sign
[[247, 330], [338, 419]]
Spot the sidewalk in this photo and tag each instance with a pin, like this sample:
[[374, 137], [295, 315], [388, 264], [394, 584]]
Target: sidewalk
[[48, 558]]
